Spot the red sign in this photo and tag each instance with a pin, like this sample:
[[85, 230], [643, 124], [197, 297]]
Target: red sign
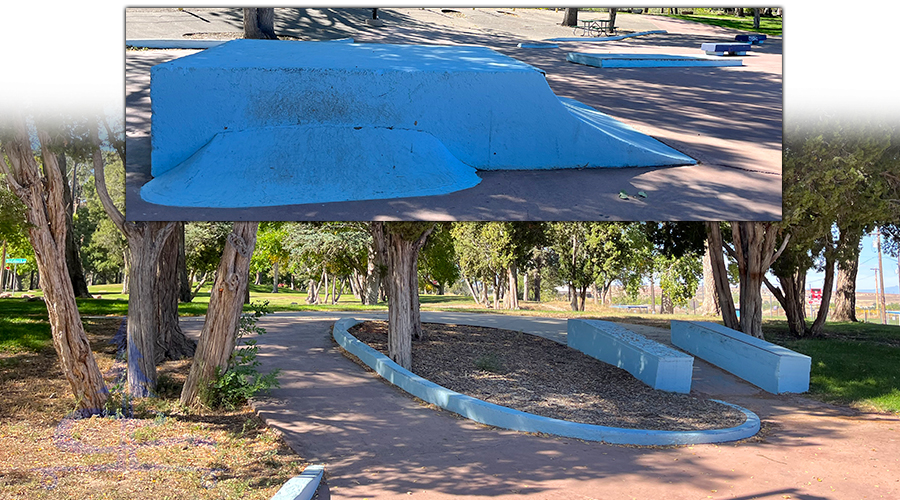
[[815, 296]]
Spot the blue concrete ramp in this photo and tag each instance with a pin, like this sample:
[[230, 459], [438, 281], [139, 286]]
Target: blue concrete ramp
[[312, 169], [220, 113]]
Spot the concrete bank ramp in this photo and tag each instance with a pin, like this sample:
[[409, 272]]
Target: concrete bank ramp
[[263, 123]]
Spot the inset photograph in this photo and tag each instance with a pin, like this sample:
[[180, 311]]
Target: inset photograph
[[449, 114]]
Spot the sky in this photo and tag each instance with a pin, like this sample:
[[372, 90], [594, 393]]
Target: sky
[[868, 263]]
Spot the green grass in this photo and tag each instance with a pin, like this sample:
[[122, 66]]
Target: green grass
[[864, 375], [767, 25]]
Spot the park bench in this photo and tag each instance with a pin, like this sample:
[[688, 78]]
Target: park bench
[[654, 364], [751, 39], [771, 367], [720, 49]]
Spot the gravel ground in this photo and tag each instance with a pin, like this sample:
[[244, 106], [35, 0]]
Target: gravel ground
[[539, 376]]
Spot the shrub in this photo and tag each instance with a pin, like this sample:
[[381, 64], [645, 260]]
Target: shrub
[[234, 386]]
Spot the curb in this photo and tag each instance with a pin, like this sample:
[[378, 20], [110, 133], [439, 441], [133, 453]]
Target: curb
[[508, 418], [301, 487]]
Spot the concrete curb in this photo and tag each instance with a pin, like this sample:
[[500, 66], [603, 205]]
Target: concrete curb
[[507, 418], [589, 39], [302, 487]]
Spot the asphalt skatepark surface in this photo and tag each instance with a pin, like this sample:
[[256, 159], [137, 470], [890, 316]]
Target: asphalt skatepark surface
[[730, 119], [376, 442]]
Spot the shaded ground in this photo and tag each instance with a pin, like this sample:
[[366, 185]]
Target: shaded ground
[[160, 453], [379, 443], [543, 377]]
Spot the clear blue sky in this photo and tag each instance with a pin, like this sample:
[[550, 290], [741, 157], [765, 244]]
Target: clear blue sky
[[865, 279]]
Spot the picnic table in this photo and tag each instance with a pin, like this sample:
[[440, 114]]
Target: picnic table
[[595, 27]]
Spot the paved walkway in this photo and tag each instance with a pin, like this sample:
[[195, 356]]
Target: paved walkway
[[730, 119], [378, 443]]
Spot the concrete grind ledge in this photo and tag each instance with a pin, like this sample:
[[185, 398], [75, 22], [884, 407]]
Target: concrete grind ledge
[[508, 418], [301, 487], [605, 38]]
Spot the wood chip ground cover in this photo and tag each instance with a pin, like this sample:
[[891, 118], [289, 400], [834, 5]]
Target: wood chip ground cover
[[543, 377], [161, 453]]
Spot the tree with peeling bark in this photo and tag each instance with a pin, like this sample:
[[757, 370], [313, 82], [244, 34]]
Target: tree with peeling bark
[[404, 241], [219, 334], [146, 241], [754, 249], [40, 187]]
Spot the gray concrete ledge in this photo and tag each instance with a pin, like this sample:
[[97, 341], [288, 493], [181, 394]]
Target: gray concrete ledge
[[302, 487], [508, 418]]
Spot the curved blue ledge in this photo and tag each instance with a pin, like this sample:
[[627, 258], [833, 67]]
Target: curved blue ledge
[[508, 418]]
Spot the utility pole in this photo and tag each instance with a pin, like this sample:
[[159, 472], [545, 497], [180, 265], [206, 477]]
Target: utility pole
[[881, 301]]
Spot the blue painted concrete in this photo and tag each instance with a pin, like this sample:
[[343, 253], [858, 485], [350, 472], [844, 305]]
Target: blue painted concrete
[[536, 45], [647, 60], [719, 49], [313, 170], [507, 418], [771, 367], [751, 39], [590, 39], [301, 487], [654, 364], [490, 111]]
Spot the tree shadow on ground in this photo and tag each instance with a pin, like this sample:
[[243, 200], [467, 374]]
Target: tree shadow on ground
[[376, 439]]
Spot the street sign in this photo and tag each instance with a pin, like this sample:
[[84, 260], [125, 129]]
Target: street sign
[[815, 296], [16, 261]]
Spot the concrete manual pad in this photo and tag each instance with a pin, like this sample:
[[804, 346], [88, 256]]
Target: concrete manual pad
[[490, 111], [647, 60], [322, 164]]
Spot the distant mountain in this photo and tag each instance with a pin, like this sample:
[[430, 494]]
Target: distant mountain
[[887, 290]]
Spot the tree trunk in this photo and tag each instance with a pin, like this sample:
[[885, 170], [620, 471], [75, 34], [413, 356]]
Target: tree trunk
[[275, 277], [756, 18], [791, 298], [570, 17], [73, 259], [200, 283], [259, 23], [754, 247], [126, 272], [612, 17], [145, 243], [41, 190], [665, 303], [847, 269], [171, 343], [537, 282], [819, 324], [219, 334], [403, 246], [184, 283], [720, 275], [525, 286], [652, 296], [710, 305], [512, 295], [376, 265]]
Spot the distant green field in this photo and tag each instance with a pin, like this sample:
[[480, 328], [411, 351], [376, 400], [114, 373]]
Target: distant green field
[[767, 25]]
